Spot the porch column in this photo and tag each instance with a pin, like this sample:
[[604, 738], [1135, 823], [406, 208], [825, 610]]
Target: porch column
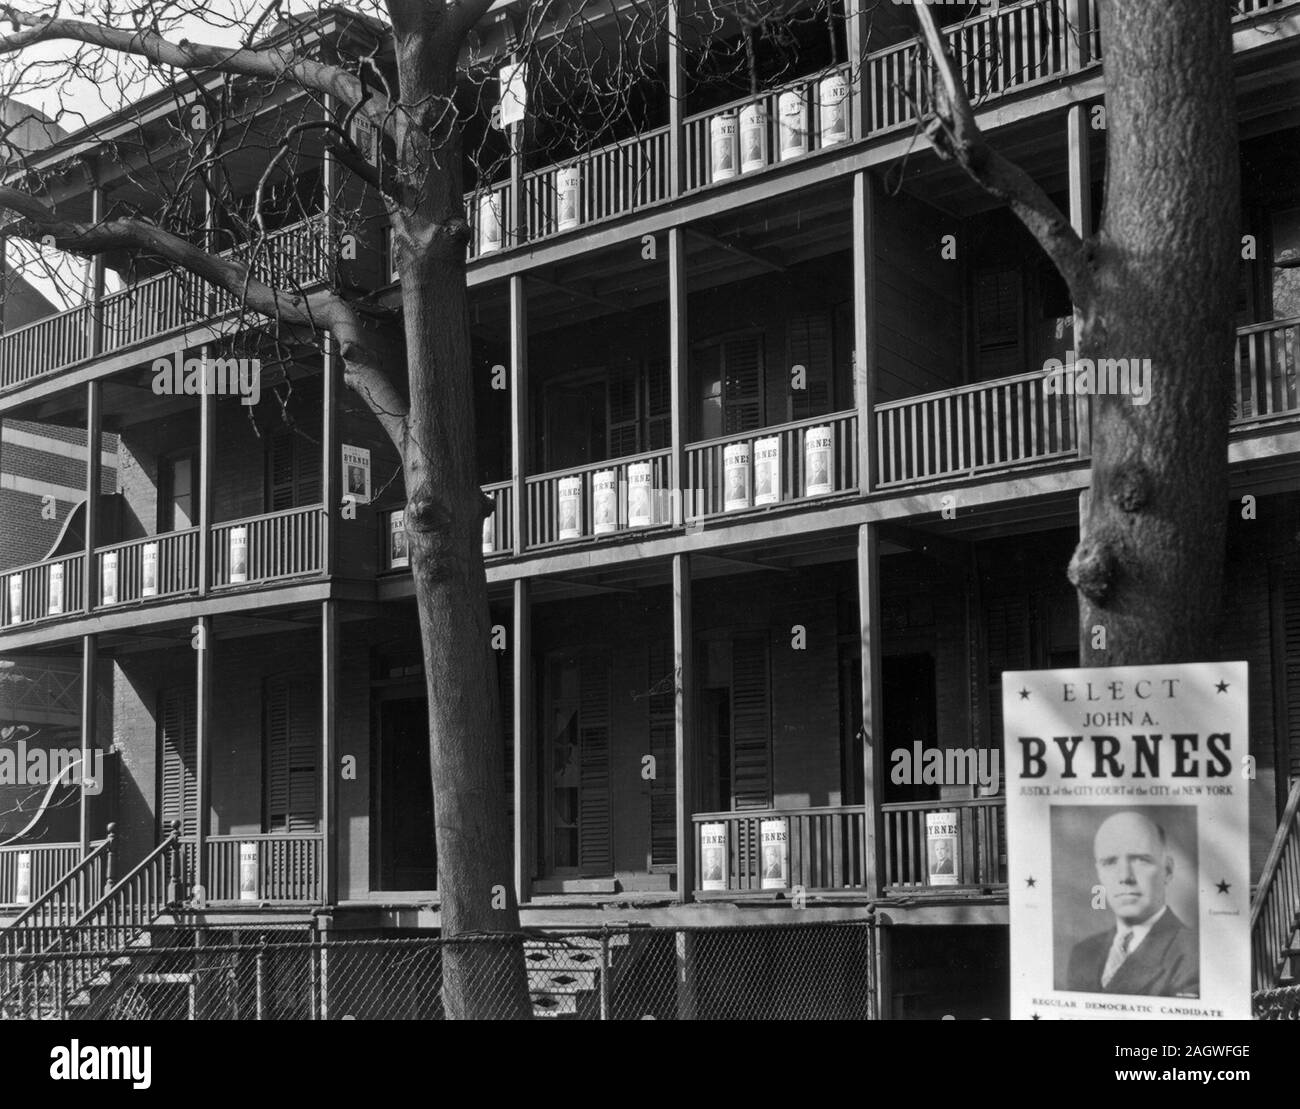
[[89, 713], [676, 102], [855, 35], [329, 687], [207, 451], [1077, 125], [1076, 15], [521, 672], [679, 375], [519, 408], [94, 434], [683, 725], [864, 323], [329, 435], [872, 714], [202, 757], [97, 270]]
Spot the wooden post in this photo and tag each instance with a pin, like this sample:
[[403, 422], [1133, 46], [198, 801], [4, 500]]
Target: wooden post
[[683, 722], [329, 455], [97, 271], [94, 435], [872, 714], [679, 375], [1076, 16], [329, 691], [207, 451], [202, 756], [521, 671], [1081, 220], [676, 102], [855, 35], [519, 407], [864, 324], [89, 713]]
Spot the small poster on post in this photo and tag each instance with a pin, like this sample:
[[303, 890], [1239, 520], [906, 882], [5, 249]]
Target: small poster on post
[[735, 467], [356, 473], [108, 579], [774, 838], [713, 856], [570, 497], [238, 554], [817, 462], [489, 534], [489, 222], [569, 186], [513, 83], [752, 138], [55, 607], [640, 495], [248, 872], [15, 598], [941, 848], [604, 484], [834, 96], [722, 143], [767, 470], [149, 570], [23, 888], [398, 555], [792, 108]]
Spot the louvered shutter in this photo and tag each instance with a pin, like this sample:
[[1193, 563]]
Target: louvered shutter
[[179, 742], [595, 853], [751, 724], [293, 472], [661, 706], [624, 412], [659, 426], [292, 753], [1006, 633], [1291, 629], [742, 391], [998, 323], [810, 347]]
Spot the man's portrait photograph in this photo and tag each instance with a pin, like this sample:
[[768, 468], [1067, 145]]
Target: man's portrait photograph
[[941, 856], [1124, 900]]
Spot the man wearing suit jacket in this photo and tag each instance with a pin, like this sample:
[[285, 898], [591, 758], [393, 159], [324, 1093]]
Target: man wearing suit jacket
[[1148, 951]]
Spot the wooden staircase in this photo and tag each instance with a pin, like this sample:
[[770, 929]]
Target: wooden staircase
[[1275, 910], [570, 978]]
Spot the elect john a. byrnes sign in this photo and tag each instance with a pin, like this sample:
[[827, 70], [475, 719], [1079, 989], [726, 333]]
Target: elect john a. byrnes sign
[[1127, 841]]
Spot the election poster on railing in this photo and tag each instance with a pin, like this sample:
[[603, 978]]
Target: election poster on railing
[[1127, 842]]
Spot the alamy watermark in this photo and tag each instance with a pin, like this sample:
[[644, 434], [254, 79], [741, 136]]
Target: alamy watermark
[[945, 766], [43, 766], [1086, 377], [222, 377]]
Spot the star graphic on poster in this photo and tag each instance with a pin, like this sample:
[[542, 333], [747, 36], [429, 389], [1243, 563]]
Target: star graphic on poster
[[1024, 695], [1036, 1017], [1030, 883], [1223, 887], [1222, 687]]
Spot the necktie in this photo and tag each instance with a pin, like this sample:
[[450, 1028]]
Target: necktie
[[1118, 953]]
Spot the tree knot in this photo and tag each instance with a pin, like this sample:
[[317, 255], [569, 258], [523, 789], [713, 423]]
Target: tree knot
[[1130, 487], [1093, 569], [423, 514]]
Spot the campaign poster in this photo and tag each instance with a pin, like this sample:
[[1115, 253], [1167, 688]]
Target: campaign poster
[[356, 474], [640, 495], [489, 222], [239, 554], [834, 97], [792, 109], [569, 187], [767, 470], [248, 872], [570, 508], [713, 856], [398, 553], [941, 848], [149, 570], [108, 579], [55, 607], [735, 472], [489, 534], [23, 889], [775, 842], [722, 141], [752, 138], [604, 487], [1127, 842], [513, 83], [817, 462], [15, 598]]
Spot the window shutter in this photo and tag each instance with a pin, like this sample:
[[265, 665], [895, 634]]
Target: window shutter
[[293, 472], [1006, 632], [663, 787], [292, 752], [751, 741], [659, 427], [998, 323], [810, 347], [506, 684], [624, 412], [178, 740], [742, 393], [595, 854]]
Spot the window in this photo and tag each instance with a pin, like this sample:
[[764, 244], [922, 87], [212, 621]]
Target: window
[[730, 377], [293, 478], [178, 486], [178, 791], [576, 764], [292, 799], [998, 323]]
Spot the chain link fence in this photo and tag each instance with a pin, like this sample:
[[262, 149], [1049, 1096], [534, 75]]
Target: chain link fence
[[772, 972]]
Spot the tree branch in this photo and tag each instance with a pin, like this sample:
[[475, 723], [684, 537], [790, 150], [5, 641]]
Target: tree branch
[[310, 312], [272, 62], [956, 136]]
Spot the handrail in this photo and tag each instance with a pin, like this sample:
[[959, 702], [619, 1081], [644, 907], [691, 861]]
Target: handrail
[[1275, 906], [770, 429], [279, 512], [1286, 828], [962, 390], [1267, 325], [572, 471], [40, 904], [143, 540], [580, 159], [750, 814], [947, 803], [732, 105]]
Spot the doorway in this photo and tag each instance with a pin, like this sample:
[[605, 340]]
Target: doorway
[[909, 717], [406, 856]]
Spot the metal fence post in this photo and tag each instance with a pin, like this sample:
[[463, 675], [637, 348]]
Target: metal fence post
[[260, 979], [314, 975], [604, 972]]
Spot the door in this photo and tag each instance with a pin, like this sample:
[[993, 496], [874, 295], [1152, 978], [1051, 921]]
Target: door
[[406, 855], [908, 717], [576, 423]]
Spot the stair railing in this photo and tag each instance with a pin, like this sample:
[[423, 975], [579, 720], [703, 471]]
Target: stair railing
[[1274, 909]]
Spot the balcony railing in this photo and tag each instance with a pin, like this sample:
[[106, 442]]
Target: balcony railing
[[984, 426], [157, 566], [264, 548], [41, 864], [55, 588], [277, 867], [155, 306], [981, 843], [826, 850], [1267, 379], [797, 461], [602, 498], [499, 529]]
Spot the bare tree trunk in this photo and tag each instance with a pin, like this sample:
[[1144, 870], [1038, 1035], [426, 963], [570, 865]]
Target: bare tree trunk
[[1149, 565]]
